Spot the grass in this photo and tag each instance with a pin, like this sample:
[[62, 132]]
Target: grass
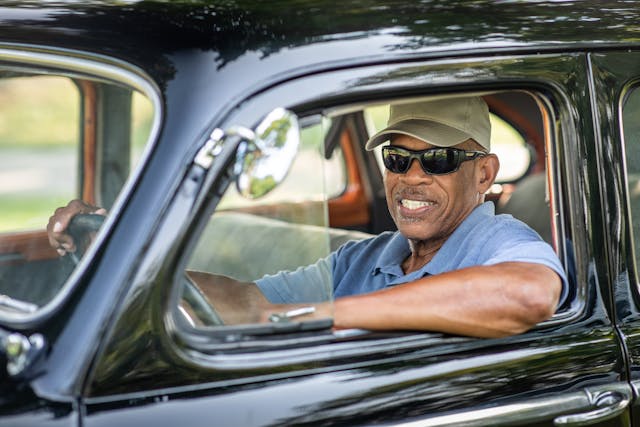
[[28, 213]]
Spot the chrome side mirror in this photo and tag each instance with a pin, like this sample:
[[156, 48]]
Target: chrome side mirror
[[268, 154]]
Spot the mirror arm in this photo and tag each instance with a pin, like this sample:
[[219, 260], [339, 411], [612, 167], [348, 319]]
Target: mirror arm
[[244, 133], [210, 150], [213, 147]]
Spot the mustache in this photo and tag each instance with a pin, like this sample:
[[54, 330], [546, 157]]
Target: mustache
[[413, 193]]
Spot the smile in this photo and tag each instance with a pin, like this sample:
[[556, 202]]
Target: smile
[[415, 204]]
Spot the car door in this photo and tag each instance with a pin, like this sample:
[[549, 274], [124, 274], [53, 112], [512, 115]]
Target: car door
[[616, 102], [157, 369]]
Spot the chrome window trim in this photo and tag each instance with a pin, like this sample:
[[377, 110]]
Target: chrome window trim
[[553, 141], [75, 64]]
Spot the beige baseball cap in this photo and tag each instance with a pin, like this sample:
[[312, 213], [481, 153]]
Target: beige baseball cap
[[443, 122]]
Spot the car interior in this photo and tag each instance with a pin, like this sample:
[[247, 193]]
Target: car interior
[[360, 203]]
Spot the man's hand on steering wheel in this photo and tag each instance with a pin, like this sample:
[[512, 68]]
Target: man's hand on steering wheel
[[58, 231]]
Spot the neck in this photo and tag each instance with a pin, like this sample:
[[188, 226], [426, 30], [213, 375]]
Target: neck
[[421, 253]]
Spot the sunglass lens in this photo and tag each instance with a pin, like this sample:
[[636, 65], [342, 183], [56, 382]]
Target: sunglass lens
[[439, 161], [397, 161]]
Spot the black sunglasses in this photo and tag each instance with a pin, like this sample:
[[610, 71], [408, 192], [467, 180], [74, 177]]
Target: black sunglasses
[[434, 161]]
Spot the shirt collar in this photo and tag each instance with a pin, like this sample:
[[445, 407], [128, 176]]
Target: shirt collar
[[392, 256], [397, 249]]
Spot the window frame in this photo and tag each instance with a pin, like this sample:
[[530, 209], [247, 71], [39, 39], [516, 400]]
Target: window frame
[[330, 104]]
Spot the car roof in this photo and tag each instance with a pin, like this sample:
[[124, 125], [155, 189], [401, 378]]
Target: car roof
[[358, 30]]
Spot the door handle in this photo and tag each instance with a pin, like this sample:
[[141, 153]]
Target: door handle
[[609, 404]]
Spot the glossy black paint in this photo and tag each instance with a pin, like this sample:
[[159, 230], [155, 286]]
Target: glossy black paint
[[446, 385], [212, 57], [614, 76]]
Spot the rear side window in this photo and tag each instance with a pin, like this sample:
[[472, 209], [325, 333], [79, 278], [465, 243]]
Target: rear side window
[[62, 137], [631, 128]]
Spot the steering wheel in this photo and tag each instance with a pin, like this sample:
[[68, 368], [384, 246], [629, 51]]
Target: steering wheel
[[199, 303], [79, 228], [82, 225]]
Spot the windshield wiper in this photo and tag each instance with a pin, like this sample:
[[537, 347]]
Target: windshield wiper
[[17, 305]]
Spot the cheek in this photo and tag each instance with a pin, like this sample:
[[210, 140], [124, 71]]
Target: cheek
[[460, 189], [389, 182]]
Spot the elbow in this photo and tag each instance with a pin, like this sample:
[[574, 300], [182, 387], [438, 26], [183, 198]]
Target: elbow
[[527, 314], [537, 301], [539, 309], [529, 296]]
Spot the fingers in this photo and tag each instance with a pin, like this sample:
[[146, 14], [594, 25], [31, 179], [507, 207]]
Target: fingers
[[59, 221]]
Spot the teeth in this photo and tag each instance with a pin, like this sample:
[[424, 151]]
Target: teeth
[[415, 204]]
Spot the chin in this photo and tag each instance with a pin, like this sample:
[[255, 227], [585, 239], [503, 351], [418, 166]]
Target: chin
[[415, 232]]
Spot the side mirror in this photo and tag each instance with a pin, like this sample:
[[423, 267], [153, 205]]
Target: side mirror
[[268, 154]]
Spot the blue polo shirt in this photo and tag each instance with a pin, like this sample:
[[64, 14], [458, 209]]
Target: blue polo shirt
[[364, 266]]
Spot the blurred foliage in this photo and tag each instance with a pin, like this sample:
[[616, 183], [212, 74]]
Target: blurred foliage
[[38, 111], [40, 125]]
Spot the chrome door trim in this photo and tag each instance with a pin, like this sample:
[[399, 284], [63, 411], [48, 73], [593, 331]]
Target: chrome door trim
[[528, 411]]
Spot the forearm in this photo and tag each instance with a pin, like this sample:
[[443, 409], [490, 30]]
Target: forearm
[[243, 303], [235, 302], [489, 301]]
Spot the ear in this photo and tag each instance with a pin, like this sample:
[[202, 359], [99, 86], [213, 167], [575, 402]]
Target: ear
[[487, 170]]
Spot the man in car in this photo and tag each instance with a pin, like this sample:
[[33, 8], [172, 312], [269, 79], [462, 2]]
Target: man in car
[[452, 266]]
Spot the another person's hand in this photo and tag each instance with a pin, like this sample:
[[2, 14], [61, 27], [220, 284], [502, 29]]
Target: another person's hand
[[59, 221]]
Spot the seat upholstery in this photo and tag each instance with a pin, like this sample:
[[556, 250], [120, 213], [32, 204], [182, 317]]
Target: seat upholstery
[[246, 247], [529, 204]]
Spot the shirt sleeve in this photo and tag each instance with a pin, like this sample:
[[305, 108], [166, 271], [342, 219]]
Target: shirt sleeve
[[526, 246], [308, 284]]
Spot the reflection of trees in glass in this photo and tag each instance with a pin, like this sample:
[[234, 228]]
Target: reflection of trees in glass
[[234, 27], [261, 186], [275, 134], [268, 158]]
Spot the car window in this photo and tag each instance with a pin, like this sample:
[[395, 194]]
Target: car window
[[631, 129], [263, 240], [248, 239], [61, 138]]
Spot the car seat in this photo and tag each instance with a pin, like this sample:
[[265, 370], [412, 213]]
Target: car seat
[[529, 203]]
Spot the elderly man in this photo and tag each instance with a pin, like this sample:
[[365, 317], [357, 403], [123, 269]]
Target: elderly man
[[453, 265]]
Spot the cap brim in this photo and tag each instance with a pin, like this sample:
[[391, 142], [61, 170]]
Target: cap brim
[[436, 134]]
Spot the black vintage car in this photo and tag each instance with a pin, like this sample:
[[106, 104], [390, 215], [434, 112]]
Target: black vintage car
[[228, 137]]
